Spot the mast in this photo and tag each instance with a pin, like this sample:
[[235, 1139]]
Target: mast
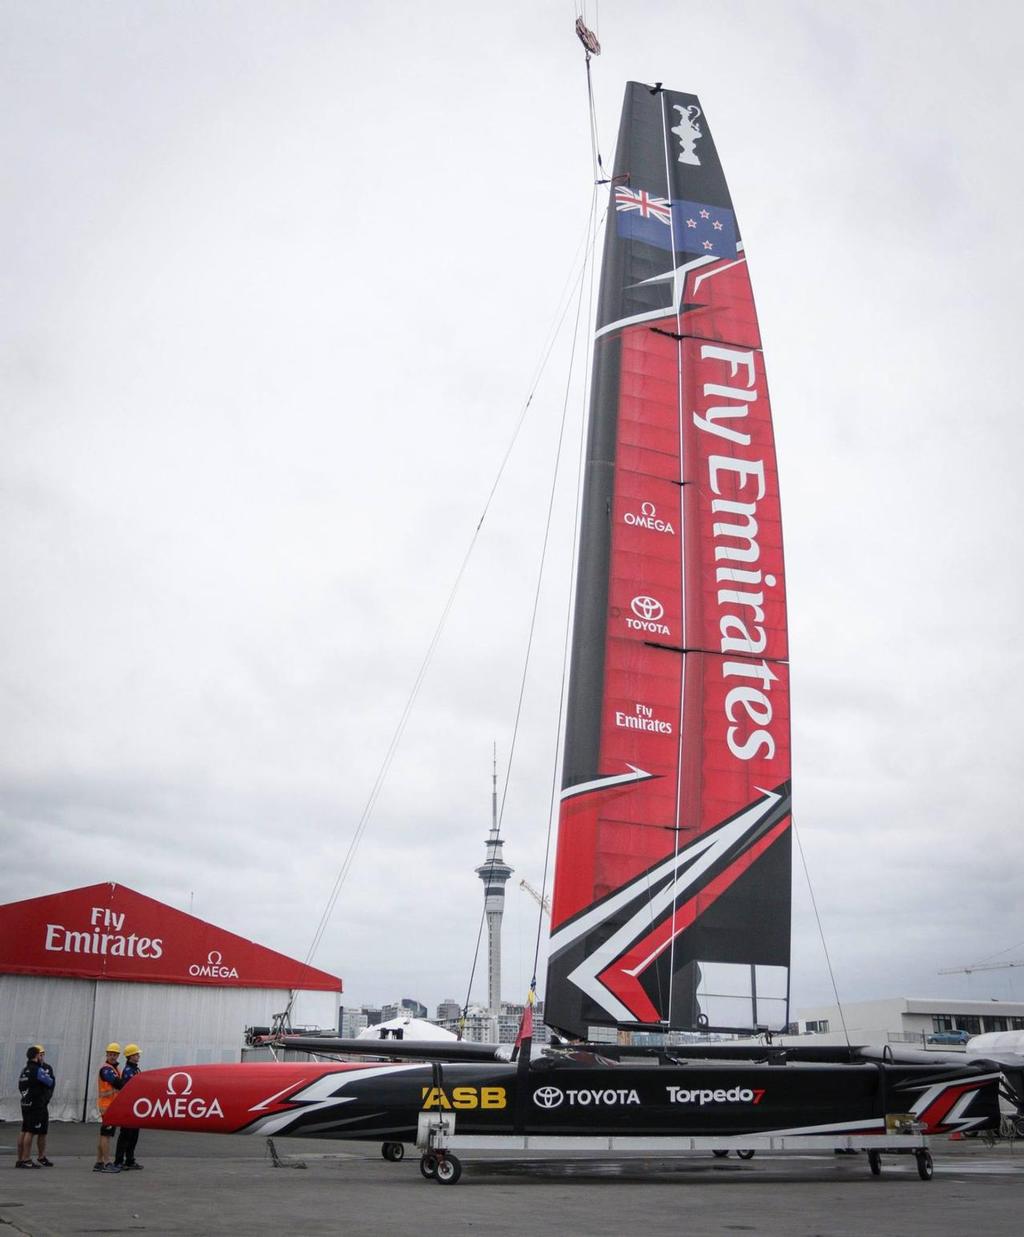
[[494, 873], [671, 905]]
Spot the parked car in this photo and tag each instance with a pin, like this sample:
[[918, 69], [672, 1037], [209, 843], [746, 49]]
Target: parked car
[[949, 1037]]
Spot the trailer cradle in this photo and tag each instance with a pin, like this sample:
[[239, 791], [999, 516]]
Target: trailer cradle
[[438, 1143]]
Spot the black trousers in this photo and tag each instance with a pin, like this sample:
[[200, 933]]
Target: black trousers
[[124, 1153]]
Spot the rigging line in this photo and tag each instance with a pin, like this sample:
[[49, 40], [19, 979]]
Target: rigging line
[[553, 333], [554, 800], [821, 932], [999, 953], [586, 247], [472, 969], [595, 141], [544, 544]]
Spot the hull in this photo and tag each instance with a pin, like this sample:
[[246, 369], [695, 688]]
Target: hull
[[562, 1098]]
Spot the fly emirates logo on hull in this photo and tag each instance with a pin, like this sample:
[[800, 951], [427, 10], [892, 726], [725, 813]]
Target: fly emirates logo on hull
[[738, 485], [105, 935]]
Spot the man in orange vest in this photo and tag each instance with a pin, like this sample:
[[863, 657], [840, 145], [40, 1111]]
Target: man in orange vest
[[109, 1084]]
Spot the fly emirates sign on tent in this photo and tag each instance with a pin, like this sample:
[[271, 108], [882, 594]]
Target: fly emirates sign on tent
[[111, 932]]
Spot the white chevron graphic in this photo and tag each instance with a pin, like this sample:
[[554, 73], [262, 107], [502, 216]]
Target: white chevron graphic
[[696, 859], [602, 783]]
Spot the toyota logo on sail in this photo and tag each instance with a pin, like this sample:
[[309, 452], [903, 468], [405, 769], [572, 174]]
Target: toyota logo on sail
[[649, 608], [548, 1097], [648, 611]]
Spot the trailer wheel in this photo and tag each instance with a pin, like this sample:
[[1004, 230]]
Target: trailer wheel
[[449, 1170], [875, 1163], [428, 1165], [393, 1151], [746, 1155], [925, 1165], [719, 1155]]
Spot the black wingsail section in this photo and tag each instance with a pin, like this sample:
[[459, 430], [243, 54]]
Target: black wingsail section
[[671, 901]]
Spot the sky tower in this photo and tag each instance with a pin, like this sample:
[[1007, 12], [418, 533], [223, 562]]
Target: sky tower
[[494, 872]]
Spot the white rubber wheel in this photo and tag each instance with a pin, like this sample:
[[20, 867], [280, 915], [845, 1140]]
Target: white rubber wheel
[[449, 1170], [746, 1155], [925, 1165], [719, 1155], [428, 1165], [394, 1152], [875, 1163]]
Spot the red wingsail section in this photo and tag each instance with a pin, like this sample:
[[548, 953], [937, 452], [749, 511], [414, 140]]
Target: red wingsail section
[[671, 897]]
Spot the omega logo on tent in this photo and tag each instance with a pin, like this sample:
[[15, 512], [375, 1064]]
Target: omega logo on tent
[[213, 967]]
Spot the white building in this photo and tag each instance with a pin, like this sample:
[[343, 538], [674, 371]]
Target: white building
[[905, 1020]]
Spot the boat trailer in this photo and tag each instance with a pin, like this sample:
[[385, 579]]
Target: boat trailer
[[439, 1144]]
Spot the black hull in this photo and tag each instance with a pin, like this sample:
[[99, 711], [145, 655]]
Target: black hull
[[702, 1100]]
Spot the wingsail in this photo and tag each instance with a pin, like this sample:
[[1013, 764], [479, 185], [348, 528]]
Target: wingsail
[[671, 903]]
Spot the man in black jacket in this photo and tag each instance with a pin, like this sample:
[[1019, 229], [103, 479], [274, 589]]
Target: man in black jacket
[[36, 1083]]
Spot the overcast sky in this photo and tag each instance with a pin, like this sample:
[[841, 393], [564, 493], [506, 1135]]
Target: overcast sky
[[277, 277]]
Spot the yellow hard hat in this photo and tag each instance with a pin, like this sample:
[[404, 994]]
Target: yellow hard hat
[[114, 1048], [132, 1050]]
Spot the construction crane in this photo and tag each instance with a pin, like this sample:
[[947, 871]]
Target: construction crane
[[539, 898], [978, 966]]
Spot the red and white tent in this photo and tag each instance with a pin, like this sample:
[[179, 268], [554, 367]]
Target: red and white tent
[[104, 962]]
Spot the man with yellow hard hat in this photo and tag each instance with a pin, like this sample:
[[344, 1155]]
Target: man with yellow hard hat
[[127, 1138], [109, 1084]]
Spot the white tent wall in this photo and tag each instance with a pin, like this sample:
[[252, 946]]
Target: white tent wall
[[56, 1013], [175, 1024]]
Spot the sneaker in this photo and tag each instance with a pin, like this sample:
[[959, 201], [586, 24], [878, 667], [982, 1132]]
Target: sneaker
[[43, 1162], [25, 1164], [98, 1166], [111, 1168], [132, 1165]]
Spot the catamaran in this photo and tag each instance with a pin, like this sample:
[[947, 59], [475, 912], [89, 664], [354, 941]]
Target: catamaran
[[671, 898]]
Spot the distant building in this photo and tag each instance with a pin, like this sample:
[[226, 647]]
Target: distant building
[[480, 1026], [351, 1022], [448, 1010], [405, 1007], [927, 1023], [512, 1015]]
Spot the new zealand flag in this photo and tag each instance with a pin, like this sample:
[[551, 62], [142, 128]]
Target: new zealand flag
[[686, 227]]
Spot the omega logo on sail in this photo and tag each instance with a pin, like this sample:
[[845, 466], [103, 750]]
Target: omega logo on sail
[[648, 518], [740, 595]]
